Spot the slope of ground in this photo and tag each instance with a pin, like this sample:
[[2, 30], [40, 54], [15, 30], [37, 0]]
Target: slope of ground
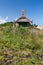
[[20, 45]]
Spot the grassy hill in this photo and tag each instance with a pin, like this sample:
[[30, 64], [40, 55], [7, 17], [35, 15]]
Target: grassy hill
[[20, 45]]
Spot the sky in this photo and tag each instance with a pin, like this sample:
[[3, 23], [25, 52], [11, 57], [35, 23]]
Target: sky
[[10, 10]]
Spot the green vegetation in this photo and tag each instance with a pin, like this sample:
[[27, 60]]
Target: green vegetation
[[20, 45]]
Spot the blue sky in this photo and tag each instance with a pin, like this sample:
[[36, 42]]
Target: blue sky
[[11, 9]]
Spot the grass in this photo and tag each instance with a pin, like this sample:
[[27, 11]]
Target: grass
[[20, 45]]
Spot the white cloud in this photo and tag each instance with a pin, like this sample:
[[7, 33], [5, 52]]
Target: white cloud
[[40, 27], [16, 19], [3, 20], [6, 18]]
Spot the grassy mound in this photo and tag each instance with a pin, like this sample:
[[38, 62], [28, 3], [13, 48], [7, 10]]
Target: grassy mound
[[20, 45]]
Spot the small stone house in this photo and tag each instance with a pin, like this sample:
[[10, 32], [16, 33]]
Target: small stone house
[[23, 20]]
